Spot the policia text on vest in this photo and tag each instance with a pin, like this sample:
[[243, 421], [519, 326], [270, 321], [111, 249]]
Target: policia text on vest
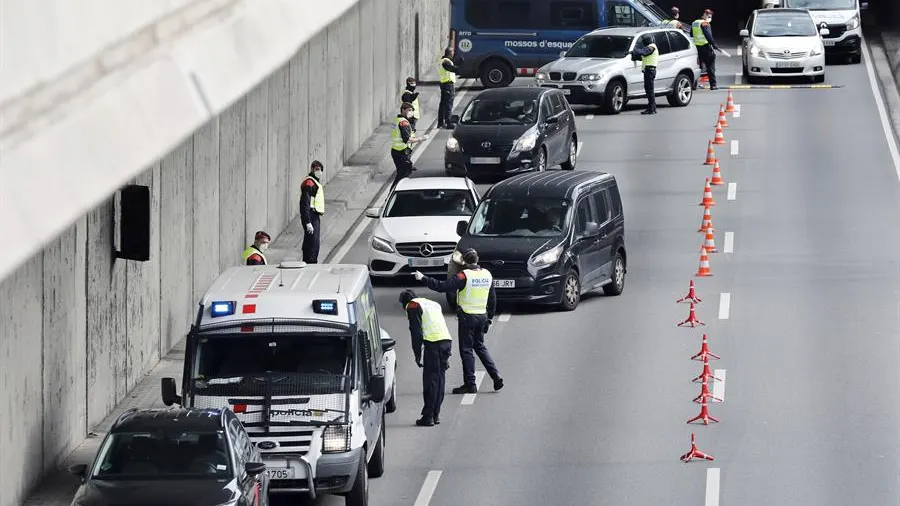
[[428, 330]]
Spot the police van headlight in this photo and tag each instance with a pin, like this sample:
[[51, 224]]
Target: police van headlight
[[382, 245], [452, 145], [547, 258], [336, 439], [527, 141], [853, 23]]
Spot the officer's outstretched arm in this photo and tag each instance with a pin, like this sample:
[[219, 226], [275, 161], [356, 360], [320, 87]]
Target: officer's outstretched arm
[[453, 284]]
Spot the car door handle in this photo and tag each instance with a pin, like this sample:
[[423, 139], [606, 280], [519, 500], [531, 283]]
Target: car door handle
[[604, 236]]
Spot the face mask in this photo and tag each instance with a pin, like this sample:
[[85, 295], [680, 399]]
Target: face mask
[[709, 19], [409, 114], [411, 86], [320, 175], [264, 246]]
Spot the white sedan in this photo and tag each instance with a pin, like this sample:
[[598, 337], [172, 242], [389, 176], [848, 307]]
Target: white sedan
[[783, 43], [416, 228]]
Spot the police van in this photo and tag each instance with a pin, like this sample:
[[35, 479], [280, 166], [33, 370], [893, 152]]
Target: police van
[[497, 40], [296, 351]]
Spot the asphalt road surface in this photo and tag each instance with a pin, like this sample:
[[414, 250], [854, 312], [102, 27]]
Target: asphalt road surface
[[802, 309]]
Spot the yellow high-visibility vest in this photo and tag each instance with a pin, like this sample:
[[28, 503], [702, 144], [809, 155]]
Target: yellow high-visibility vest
[[473, 298], [318, 202], [434, 327], [697, 32], [445, 75], [415, 104], [250, 251], [652, 59], [397, 143]]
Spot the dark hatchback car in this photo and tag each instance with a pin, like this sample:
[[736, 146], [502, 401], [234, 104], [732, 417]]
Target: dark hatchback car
[[176, 457], [549, 238], [506, 131]]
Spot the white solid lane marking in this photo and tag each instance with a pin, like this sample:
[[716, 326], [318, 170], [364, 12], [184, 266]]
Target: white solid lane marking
[[504, 317], [729, 242], [882, 111], [357, 231], [724, 305], [735, 148], [578, 149], [712, 486], [589, 116], [719, 386], [739, 78], [428, 488], [740, 51], [470, 398], [732, 191], [737, 111]]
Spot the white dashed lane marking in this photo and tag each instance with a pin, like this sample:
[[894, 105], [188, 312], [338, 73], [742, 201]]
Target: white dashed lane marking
[[428, 488], [719, 386], [469, 399], [732, 191], [712, 486], [729, 242], [504, 317], [735, 148], [724, 306]]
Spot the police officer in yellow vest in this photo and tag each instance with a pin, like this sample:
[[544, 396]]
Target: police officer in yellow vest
[[649, 57], [476, 304], [447, 75], [706, 45], [428, 329], [402, 140], [674, 22], [411, 96], [253, 255], [312, 207]]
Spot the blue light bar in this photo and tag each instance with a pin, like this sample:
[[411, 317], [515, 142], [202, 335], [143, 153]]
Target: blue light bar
[[327, 306], [221, 308]]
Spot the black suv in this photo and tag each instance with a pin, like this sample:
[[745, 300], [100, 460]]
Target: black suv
[[507, 131], [548, 238], [197, 457]]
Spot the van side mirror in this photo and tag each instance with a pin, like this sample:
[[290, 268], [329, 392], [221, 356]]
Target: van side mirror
[[388, 344], [254, 468], [454, 119], [591, 229], [744, 33], [78, 470], [864, 6], [562, 54], [376, 388], [169, 392], [373, 212], [461, 227], [824, 32]]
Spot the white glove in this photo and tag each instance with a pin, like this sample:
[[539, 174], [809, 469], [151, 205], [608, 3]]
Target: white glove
[[423, 137], [310, 229], [418, 275]]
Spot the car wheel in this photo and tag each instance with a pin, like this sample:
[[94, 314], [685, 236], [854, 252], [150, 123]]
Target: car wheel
[[540, 164], [856, 58], [391, 405], [745, 72], [571, 288], [682, 91], [819, 79], [359, 494], [618, 278], [614, 97], [376, 465], [573, 154], [496, 73]]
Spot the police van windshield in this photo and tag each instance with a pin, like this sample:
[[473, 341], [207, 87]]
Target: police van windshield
[[533, 217], [430, 203], [498, 111], [823, 5], [600, 46], [784, 24]]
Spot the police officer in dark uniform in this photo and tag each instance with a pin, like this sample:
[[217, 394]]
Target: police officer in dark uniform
[[402, 140], [312, 207], [649, 57], [447, 72], [476, 304], [410, 96], [254, 254], [701, 31], [428, 329]]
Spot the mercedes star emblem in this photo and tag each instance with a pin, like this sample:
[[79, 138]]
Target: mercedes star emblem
[[485, 144], [426, 250]]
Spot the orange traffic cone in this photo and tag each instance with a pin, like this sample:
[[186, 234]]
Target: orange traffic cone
[[707, 196], [717, 175], [705, 394], [695, 453], [722, 120], [703, 416], [707, 221], [710, 155], [729, 104], [704, 78], [710, 243], [704, 269], [720, 135]]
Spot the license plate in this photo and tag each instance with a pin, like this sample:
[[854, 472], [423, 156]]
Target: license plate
[[504, 283], [828, 42], [787, 65], [285, 473], [566, 92], [485, 160], [426, 262]]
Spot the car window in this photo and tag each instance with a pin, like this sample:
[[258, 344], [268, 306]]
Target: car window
[[678, 42], [573, 15], [615, 201], [546, 108], [662, 42], [622, 14], [162, 454], [600, 46], [499, 111], [438, 202], [601, 206], [520, 217], [582, 216], [785, 24], [556, 102]]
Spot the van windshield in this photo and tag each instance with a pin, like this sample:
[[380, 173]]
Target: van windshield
[[600, 46], [822, 5], [525, 217]]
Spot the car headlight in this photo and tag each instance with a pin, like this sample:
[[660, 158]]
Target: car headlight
[[816, 51], [336, 439], [382, 245], [457, 257], [527, 141], [546, 258], [540, 76], [754, 51], [592, 77], [853, 23], [452, 145]]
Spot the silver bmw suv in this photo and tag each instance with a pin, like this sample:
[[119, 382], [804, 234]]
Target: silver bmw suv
[[598, 69]]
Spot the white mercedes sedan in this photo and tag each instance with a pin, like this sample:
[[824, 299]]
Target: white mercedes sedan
[[416, 228], [783, 43]]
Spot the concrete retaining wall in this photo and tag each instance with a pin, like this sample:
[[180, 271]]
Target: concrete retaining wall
[[78, 329]]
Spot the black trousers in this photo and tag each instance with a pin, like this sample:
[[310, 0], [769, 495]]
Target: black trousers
[[708, 59], [435, 361], [445, 108], [311, 241], [403, 164], [650, 87], [471, 343]]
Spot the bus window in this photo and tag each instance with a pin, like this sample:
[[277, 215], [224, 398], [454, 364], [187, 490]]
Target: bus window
[[573, 15], [622, 14]]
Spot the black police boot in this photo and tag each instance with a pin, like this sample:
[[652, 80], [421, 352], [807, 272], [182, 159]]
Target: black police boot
[[465, 389], [437, 420], [425, 421], [498, 383]]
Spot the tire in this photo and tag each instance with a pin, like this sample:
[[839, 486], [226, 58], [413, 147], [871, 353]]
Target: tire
[[745, 73], [359, 494], [391, 405], [682, 91], [495, 73], [376, 465], [857, 58], [541, 164], [569, 164], [571, 295], [618, 277], [615, 97], [819, 79]]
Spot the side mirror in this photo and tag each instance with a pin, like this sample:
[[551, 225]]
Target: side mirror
[[591, 229], [454, 119], [461, 227], [388, 344], [373, 212], [254, 468], [78, 470], [864, 6], [824, 32], [169, 392], [744, 33], [376, 388]]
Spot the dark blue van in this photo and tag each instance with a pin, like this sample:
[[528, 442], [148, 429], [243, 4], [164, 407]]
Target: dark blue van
[[497, 40]]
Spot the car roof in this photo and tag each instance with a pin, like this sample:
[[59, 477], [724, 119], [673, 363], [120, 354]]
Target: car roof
[[558, 184], [432, 183], [187, 419], [631, 31], [514, 92], [782, 9]]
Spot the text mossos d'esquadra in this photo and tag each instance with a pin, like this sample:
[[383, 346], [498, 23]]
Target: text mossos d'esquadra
[[541, 44]]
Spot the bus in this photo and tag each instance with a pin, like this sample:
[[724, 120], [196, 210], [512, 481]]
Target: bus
[[498, 40]]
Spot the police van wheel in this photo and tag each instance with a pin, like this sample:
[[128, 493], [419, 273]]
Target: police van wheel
[[682, 91], [496, 73], [359, 494], [615, 97], [571, 289], [376, 465]]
